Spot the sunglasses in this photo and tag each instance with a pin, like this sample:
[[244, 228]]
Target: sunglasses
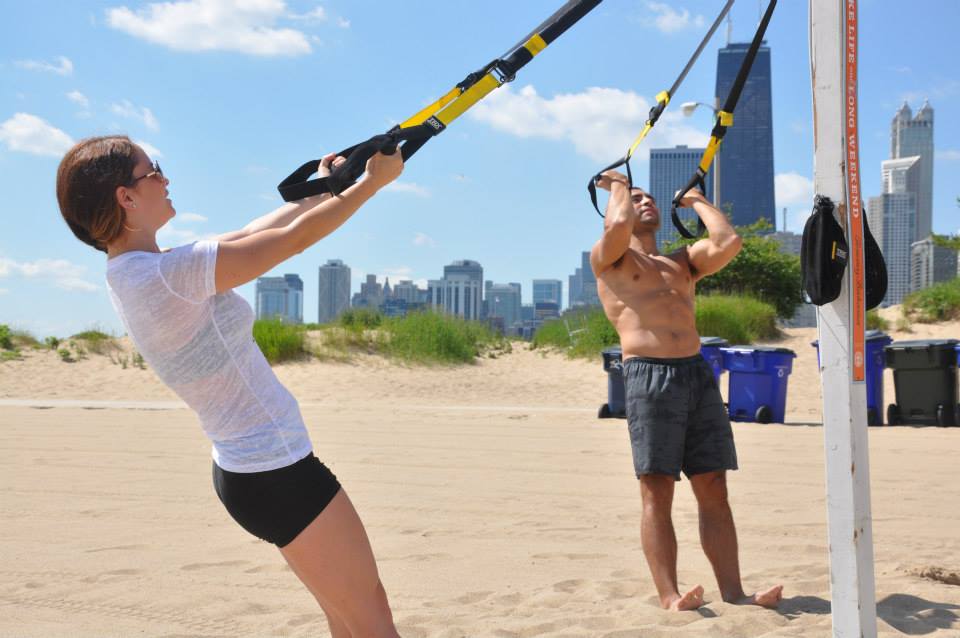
[[156, 172]]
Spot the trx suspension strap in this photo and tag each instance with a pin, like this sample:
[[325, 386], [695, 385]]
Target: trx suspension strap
[[663, 98], [432, 120], [724, 121]]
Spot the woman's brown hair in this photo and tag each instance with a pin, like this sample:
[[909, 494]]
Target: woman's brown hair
[[87, 180]]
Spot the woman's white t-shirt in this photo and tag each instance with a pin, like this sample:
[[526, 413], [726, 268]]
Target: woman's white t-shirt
[[201, 345]]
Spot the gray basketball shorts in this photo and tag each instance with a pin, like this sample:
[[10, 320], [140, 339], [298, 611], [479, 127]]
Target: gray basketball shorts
[[676, 417]]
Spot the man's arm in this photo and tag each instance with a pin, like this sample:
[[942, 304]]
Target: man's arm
[[712, 253], [618, 227], [284, 215]]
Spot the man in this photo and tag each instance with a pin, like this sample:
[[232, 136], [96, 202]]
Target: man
[[676, 416]]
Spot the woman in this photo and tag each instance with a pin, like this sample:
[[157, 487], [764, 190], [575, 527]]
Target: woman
[[179, 308]]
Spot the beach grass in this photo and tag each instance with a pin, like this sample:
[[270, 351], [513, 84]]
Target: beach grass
[[96, 341], [940, 302], [420, 337], [279, 341]]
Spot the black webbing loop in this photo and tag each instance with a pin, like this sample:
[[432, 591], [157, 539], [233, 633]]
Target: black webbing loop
[[663, 98], [696, 181], [720, 128]]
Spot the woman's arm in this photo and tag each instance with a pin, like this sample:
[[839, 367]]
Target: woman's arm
[[285, 214], [246, 258]]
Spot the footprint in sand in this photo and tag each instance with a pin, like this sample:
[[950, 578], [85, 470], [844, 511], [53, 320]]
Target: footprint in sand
[[306, 619], [226, 563], [108, 576], [472, 597], [568, 556], [115, 548], [570, 586]]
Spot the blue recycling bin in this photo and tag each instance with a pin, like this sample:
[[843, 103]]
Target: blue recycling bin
[[616, 405], [874, 342], [758, 382], [710, 350]]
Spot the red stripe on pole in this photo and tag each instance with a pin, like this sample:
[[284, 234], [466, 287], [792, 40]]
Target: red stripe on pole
[[854, 197]]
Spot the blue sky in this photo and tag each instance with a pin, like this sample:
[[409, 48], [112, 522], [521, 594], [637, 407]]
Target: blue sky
[[278, 83]]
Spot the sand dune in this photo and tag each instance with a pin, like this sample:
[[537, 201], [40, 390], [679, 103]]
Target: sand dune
[[496, 502]]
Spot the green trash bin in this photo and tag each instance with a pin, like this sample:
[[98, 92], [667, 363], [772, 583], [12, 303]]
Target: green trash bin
[[925, 382]]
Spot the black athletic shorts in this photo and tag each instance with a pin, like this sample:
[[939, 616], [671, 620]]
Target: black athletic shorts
[[278, 504], [676, 417]]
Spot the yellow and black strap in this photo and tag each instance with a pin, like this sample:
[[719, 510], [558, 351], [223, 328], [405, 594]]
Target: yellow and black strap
[[417, 130], [663, 99], [724, 121]]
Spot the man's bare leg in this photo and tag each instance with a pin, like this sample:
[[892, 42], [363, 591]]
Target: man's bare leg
[[660, 543], [718, 536]]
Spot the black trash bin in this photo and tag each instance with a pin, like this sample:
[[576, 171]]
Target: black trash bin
[[924, 381], [616, 406]]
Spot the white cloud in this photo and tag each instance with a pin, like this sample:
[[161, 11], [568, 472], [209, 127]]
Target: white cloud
[[668, 20], [318, 14], [191, 217], [171, 235], [30, 134], [214, 25], [343, 23], [131, 111], [600, 122], [793, 188], [949, 154], [149, 149], [4, 291], [63, 67], [407, 187], [78, 98], [62, 273], [422, 239]]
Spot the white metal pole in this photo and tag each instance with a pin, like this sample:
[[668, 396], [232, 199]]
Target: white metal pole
[[833, 63]]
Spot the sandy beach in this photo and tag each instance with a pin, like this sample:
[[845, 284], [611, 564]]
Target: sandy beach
[[496, 502]]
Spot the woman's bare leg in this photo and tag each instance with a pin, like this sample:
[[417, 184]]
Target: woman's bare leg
[[332, 557]]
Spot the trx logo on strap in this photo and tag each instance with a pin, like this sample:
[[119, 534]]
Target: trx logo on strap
[[435, 124]]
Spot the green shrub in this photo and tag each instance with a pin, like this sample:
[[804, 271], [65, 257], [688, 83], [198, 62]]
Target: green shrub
[[279, 341], [738, 319], [429, 337], [97, 341], [876, 322], [6, 340], [52, 342], [65, 355], [940, 302], [360, 319], [761, 271]]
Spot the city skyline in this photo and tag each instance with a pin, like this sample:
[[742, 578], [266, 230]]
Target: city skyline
[[504, 185]]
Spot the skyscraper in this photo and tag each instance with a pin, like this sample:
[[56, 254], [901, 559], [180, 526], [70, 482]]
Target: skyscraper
[[670, 170], [334, 290], [548, 290], [893, 221], [460, 292], [913, 136], [503, 301], [746, 154], [931, 264], [280, 297], [582, 287]]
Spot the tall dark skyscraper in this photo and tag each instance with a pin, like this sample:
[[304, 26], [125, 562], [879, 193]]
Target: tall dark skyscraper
[[670, 170], [746, 155]]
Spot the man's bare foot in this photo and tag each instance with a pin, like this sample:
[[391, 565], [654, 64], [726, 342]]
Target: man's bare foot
[[769, 598], [690, 600]]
